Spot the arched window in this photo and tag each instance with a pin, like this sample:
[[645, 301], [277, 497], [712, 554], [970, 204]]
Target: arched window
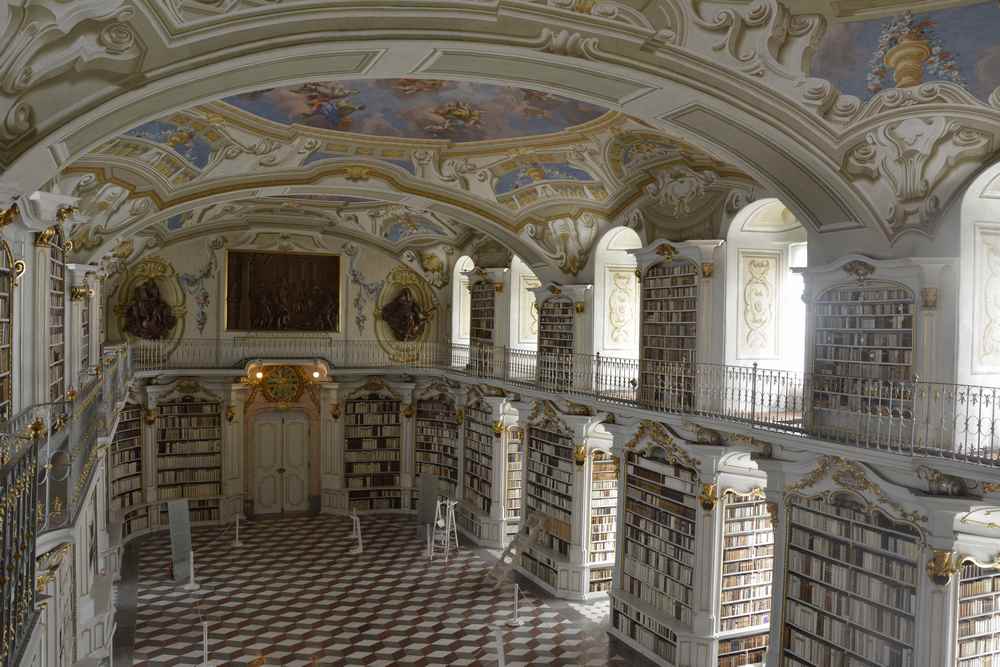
[[979, 286], [616, 295], [765, 315], [6, 330], [460, 314]]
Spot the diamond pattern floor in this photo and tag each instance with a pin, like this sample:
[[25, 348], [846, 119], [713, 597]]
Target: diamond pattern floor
[[293, 595]]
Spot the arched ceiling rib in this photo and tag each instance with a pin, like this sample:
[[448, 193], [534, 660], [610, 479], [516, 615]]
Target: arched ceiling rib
[[546, 196]]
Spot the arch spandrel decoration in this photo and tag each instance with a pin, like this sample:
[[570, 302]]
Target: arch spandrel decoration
[[653, 437], [544, 415], [375, 385], [836, 475]]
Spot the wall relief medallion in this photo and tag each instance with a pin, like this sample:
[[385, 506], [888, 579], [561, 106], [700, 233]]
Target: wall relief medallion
[[404, 314], [151, 304], [147, 315]]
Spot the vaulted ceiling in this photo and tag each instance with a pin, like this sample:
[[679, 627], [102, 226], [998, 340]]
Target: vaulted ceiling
[[517, 119]]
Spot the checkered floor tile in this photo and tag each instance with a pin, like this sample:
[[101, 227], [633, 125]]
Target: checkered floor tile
[[293, 595]]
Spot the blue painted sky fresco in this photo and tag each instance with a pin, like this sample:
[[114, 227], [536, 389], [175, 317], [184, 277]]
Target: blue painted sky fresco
[[420, 109]]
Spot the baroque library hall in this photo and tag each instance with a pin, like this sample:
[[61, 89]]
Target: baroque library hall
[[500, 333]]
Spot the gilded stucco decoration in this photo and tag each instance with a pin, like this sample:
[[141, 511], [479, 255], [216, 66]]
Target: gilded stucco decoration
[[621, 290], [566, 241], [852, 476], [986, 307], [402, 283], [758, 302], [545, 414]]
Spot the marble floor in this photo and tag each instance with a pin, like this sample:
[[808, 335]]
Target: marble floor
[[294, 595]]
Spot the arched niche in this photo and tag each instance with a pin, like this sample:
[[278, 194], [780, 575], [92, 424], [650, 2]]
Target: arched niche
[[460, 313], [765, 315], [979, 282], [616, 294]]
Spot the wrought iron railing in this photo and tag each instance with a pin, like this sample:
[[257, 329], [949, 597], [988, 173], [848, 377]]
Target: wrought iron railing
[[958, 422]]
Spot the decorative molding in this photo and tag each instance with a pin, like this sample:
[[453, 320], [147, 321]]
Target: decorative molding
[[851, 475], [942, 566], [859, 269]]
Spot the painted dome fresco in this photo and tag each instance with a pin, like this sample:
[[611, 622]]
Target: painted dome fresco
[[418, 109]]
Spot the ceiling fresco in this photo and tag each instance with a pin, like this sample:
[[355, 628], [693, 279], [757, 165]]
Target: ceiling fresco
[[956, 45], [419, 109]]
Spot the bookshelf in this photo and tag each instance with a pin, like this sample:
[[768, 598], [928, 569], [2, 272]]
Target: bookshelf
[[669, 332], [556, 341], [477, 491], [85, 334], [189, 454], [6, 330], [514, 478], [127, 497], [57, 319], [437, 441], [655, 574], [978, 636], [548, 490], [482, 310], [863, 349], [850, 586], [603, 520], [372, 437], [745, 587]]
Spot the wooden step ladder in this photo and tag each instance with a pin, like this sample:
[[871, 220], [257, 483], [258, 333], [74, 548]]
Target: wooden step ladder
[[531, 530]]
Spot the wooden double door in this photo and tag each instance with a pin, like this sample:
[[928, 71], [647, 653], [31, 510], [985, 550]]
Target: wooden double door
[[281, 462]]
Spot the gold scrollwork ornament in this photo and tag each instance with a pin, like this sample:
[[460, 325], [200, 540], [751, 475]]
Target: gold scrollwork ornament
[[942, 566], [709, 497]]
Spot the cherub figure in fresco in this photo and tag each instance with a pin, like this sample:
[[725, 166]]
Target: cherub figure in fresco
[[453, 116], [329, 101], [413, 86]]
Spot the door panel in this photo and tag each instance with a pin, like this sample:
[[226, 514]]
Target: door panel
[[296, 463], [267, 462]]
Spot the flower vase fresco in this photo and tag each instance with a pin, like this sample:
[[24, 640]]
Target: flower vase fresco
[[956, 46]]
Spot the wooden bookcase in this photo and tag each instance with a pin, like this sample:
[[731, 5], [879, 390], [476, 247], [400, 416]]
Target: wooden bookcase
[[747, 571], [862, 351], [978, 636], [669, 333], [127, 471], [549, 471], [657, 560], [483, 312], [57, 319], [372, 448], [850, 586], [189, 455], [603, 519], [477, 492], [437, 442], [556, 342], [6, 330]]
